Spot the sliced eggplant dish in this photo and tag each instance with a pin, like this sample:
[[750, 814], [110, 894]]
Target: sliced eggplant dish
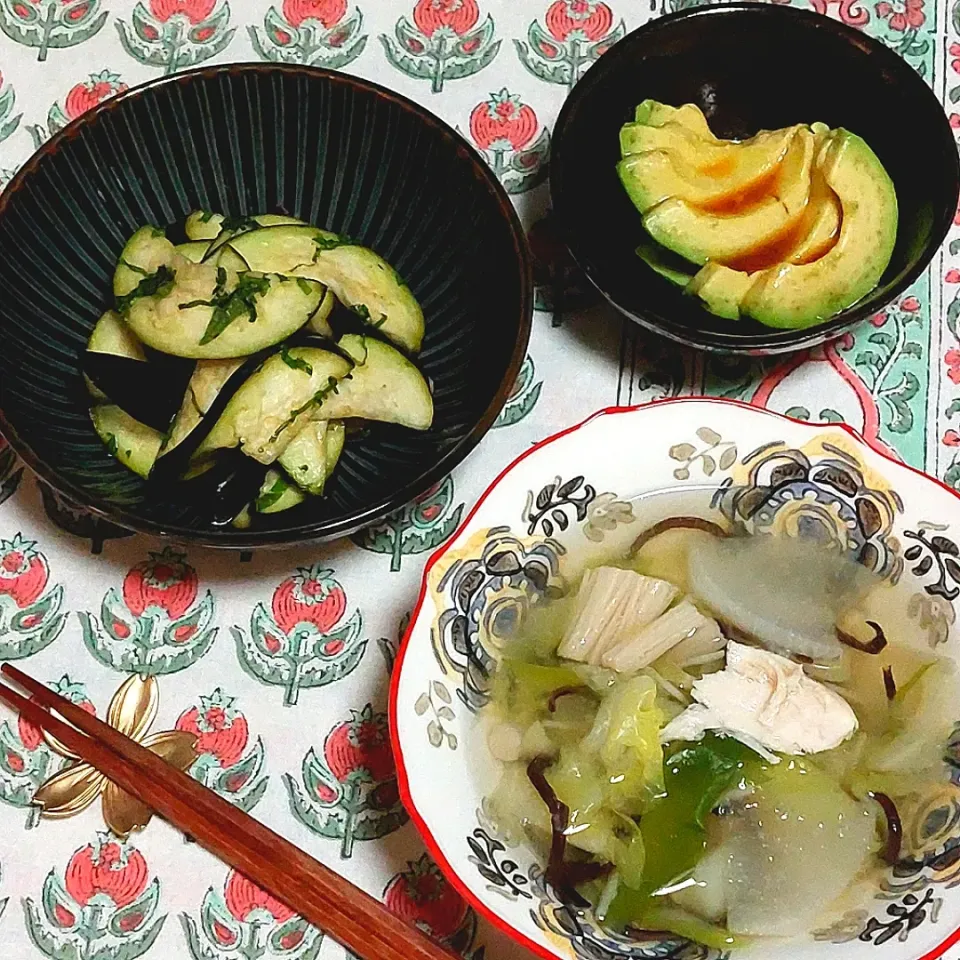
[[245, 356]]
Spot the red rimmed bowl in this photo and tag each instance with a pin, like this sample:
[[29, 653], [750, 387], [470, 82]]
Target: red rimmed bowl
[[539, 524]]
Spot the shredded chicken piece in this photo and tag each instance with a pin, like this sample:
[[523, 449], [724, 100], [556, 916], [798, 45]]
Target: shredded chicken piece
[[613, 605], [764, 699]]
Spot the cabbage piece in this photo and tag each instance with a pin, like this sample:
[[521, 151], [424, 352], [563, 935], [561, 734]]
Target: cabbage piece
[[522, 690], [611, 776], [664, 916], [677, 624], [797, 844], [613, 606], [571, 719], [578, 780], [626, 738], [515, 808], [784, 591], [922, 717], [596, 678]]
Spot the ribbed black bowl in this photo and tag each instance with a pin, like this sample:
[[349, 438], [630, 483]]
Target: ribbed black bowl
[[339, 152], [749, 66]]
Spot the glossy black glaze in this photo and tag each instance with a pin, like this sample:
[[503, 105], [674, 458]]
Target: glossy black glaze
[[749, 66]]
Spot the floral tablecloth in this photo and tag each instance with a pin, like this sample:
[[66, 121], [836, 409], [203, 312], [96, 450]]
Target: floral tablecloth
[[279, 661]]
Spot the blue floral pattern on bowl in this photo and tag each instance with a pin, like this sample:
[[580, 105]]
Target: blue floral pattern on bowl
[[529, 538]]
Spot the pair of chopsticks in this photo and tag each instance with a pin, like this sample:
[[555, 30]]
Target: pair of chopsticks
[[322, 897]]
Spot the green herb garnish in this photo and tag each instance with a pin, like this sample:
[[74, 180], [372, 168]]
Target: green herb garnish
[[135, 268], [268, 499], [236, 224], [306, 286], [295, 363], [112, 445], [363, 312], [227, 307], [157, 284], [332, 385], [206, 216], [366, 353], [328, 243], [321, 395]]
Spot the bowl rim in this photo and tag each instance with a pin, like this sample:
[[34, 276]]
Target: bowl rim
[[350, 523], [776, 340], [403, 778]]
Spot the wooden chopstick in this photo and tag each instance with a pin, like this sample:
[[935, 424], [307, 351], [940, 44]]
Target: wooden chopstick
[[322, 897]]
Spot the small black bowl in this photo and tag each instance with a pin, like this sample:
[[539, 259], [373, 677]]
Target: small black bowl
[[331, 149], [748, 66]]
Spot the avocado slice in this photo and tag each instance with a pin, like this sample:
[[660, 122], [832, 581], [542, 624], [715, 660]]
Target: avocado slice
[[670, 266], [821, 226], [721, 289], [799, 295], [670, 136], [360, 279], [701, 235], [689, 115], [813, 236], [657, 175], [713, 157], [815, 232]]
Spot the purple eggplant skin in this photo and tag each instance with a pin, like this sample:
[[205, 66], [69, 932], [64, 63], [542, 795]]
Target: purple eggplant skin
[[150, 391], [171, 466]]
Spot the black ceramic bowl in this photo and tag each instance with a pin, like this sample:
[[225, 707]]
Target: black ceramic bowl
[[749, 67], [336, 151]]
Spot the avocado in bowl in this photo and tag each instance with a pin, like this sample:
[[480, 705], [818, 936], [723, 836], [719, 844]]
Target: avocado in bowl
[[788, 227], [746, 72]]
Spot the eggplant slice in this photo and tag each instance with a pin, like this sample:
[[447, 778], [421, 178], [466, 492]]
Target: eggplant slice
[[145, 390]]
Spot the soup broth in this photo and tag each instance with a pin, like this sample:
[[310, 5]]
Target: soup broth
[[713, 733]]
